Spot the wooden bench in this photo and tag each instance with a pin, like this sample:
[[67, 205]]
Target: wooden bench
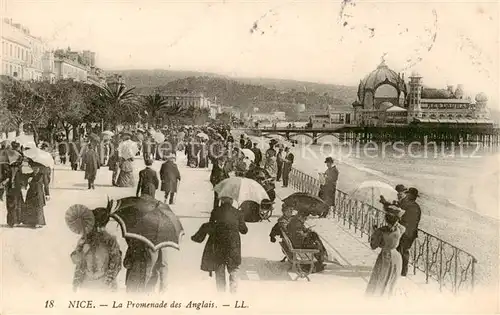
[[302, 259]]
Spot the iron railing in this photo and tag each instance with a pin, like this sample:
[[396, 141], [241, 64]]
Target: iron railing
[[452, 267]]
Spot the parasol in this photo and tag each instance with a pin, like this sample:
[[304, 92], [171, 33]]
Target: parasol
[[5, 143], [108, 133], [248, 154], [148, 220], [218, 135], [39, 156], [370, 191], [79, 219], [24, 139], [202, 135], [127, 149], [140, 130], [307, 203], [9, 156], [158, 137], [241, 189]]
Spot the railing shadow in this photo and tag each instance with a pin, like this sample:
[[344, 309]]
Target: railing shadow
[[263, 270]]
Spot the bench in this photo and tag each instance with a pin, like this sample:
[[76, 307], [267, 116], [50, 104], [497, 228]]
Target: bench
[[302, 259]]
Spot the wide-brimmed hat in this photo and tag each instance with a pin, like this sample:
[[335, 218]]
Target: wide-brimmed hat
[[329, 160], [413, 191], [394, 210], [400, 188]]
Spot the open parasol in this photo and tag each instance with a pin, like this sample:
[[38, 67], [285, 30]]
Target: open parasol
[[241, 189], [202, 135], [371, 190], [80, 219], [306, 203], [107, 133], [24, 139], [148, 220], [158, 137], [5, 143], [9, 156], [248, 154], [39, 156], [128, 149]]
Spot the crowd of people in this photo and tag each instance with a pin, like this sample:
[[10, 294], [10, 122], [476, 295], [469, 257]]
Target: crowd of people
[[204, 145], [20, 175]]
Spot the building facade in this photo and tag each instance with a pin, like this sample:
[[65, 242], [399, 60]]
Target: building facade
[[197, 100], [21, 52], [384, 98]]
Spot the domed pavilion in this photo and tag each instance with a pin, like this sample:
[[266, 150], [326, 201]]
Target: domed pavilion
[[381, 86]]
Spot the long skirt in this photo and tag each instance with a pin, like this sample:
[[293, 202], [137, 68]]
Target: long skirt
[[14, 203], [33, 215], [125, 179], [385, 274]]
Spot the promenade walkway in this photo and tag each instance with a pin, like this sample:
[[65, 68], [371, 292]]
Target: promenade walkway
[[36, 266]]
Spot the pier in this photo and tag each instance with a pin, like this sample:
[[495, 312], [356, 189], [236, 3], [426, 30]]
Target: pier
[[447, 133]]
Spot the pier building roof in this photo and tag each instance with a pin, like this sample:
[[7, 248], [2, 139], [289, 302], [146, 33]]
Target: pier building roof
[[380, 76]]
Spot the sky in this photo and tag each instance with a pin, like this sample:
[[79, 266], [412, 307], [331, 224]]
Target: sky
[[446, 42]]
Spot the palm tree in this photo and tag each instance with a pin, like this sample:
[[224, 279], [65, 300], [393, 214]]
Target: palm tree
[[152, 105], [171, 111], [120, 103]]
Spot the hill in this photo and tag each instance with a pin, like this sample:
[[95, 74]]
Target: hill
[[241, 92]]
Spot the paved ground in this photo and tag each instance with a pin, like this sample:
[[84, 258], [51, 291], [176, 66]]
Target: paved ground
[[36, 266]]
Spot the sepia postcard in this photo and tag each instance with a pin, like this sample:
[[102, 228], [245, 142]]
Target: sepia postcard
[[253, 157]]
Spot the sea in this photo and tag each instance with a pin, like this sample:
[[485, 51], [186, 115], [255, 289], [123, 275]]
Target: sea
[[458, 184]]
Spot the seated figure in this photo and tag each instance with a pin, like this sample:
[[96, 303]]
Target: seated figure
[[302, 237], [282, 223]]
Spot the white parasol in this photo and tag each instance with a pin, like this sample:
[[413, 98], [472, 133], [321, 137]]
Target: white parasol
[[158, 137], [248, 154], [40, 157], [202, 135], [128, 149], [371, 190], [108, 133]]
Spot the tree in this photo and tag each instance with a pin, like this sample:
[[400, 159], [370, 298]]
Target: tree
[[152, 104], [25, 105], [119, 103], [169, 113]]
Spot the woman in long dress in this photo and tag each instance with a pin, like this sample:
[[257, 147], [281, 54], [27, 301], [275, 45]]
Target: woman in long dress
[[97, 257], [13, 183], [37, 194], [126, 176], [388, 265]]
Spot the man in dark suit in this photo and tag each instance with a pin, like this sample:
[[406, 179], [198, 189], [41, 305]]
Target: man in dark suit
[[287, 166], [148, 181], [170, 178], [228, 223], [410, 220], [218, 174], [258, 154]]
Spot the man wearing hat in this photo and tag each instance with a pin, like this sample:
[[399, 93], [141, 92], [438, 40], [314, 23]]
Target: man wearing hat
[[329, 189], [148, 181], [170, 177], [410, 220]]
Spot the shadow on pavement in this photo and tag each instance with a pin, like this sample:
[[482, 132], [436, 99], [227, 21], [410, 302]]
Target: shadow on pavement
[[66, 188], [261, 269], [347, 271]]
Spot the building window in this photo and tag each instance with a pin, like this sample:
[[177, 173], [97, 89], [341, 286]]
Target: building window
[[11, 54]]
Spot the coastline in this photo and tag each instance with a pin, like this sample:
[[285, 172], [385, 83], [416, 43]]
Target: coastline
[[463, 227]]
